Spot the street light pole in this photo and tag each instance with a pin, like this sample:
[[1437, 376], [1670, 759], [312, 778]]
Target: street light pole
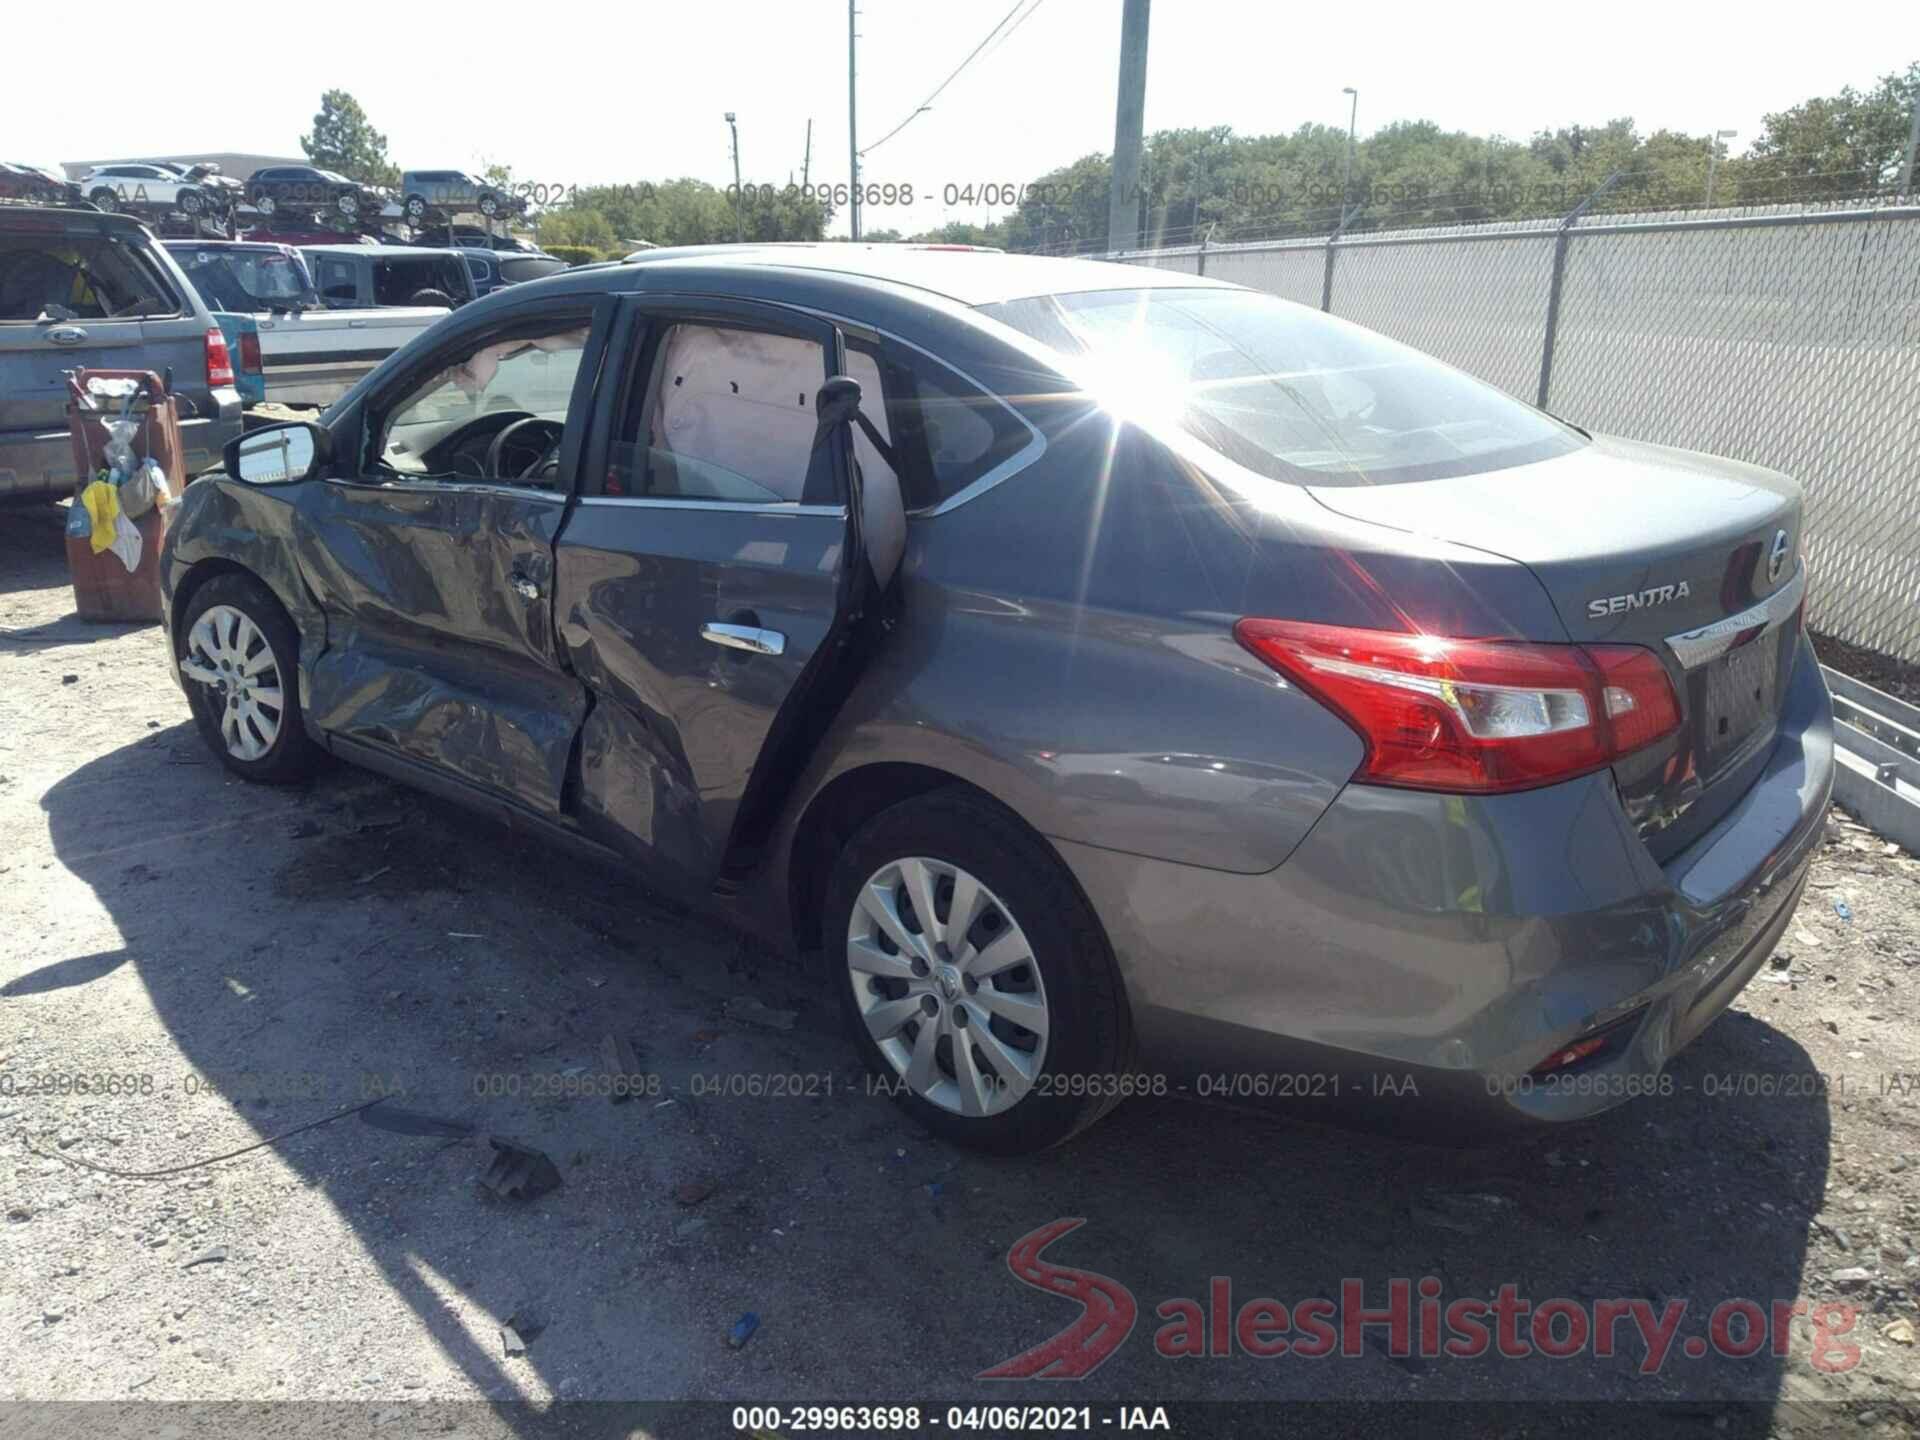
[[1713, 158], [1346, 177], [739, 234], [1913, 144]]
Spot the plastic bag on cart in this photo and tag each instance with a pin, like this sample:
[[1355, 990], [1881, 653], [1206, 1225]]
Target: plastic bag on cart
[[126, 542], [144, 489], [119, 446], [79, 523]]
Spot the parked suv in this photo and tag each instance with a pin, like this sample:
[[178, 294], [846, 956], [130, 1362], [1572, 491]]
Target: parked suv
[[275, 188], [494, 269], [79, 288], [453, 192], [357, 276], [155, 186]]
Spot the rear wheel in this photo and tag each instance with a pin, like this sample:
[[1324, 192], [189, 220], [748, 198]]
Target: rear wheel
[[265, 203], [974, 977], [190, 202], [239, 661]]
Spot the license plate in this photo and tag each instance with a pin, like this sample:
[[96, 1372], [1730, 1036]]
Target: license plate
[[1740, 695]]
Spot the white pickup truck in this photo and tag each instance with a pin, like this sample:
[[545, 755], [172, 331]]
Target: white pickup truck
[[312, 354]]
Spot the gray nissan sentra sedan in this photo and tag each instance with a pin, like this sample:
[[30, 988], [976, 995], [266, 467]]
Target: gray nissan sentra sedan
[[1125, 681]]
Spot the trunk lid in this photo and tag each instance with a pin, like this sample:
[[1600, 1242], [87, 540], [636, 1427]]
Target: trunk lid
[[1696, 558]]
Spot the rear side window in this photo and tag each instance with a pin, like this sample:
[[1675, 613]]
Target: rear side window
[[944, 431], [78, 277], [531, 267]]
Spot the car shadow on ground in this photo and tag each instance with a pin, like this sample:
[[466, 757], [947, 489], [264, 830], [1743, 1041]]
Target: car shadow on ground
[[356, 934]]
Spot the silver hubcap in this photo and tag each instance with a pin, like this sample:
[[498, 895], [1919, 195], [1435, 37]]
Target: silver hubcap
[[947, 986], [229, 654]]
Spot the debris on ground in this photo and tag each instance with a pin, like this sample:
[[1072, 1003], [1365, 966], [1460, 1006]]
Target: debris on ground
[[751, 1011], [519, 1172], [743, 1329], [216, 1256], [622, 1063], [520, 1330], [393, 1119], [691, 1192]]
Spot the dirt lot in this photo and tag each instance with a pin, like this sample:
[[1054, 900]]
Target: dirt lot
[[255, 959]]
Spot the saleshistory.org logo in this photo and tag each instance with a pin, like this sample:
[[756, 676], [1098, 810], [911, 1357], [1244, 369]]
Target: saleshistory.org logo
[[1413, 1321]]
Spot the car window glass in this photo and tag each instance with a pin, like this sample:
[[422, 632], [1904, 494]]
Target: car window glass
[[337, 283], [945, 433], [726, 414], [445, 426], [246, 280], [77, 277]]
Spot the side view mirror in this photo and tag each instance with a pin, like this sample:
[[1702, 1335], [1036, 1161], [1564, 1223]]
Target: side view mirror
[[878, 507], [279, 454]]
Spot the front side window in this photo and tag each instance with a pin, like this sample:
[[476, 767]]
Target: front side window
[[497, 411], [725, 413], [1288, 392], [398, 281]]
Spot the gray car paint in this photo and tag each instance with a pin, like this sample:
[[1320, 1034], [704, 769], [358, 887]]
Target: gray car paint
[[1081, 671]]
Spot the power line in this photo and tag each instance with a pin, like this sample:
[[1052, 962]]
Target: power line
[[924, 104]]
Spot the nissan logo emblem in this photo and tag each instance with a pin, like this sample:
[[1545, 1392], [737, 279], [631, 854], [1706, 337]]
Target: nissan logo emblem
[[1777, 557]]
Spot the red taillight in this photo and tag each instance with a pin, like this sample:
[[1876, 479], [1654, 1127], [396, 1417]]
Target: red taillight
[[219, 361], [1474, 715], [250, 352]]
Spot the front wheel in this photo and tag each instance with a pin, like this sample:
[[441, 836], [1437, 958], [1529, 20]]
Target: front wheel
[[190, 202], [265, 204], [239, 660], [974, 977]]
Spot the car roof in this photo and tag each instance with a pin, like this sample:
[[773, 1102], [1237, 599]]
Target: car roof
[[278, 247], [969, 276], [15, 217]]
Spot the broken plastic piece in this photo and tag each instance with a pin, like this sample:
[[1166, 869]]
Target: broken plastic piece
[[623, 1065], [743, 1329], [519, 1172]]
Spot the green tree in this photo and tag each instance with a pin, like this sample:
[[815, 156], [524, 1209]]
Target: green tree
[[343, 139], [1833, 144]]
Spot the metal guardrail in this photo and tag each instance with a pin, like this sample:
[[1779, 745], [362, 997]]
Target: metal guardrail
[[1877, 758]]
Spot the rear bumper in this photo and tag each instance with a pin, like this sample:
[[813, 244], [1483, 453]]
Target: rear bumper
[[1418, 955], [38, 465]]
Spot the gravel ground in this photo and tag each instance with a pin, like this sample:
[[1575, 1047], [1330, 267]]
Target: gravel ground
[[255, 959]]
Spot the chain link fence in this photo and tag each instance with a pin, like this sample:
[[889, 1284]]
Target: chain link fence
[[1786, 336]]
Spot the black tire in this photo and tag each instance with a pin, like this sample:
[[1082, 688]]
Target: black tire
[[1090, 1033], [291, 755], [190, 202], [416, 209], [433, 297], [265, 204], [489, 205], [104, 198]]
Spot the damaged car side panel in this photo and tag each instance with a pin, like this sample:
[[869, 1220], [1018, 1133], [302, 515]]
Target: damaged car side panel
[[679, 721], [441, 646]]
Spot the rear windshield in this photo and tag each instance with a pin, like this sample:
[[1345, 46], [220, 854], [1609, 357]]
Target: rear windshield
[[78, 277], [1286, 391], [247, 280], [398, 281], [530, 267]]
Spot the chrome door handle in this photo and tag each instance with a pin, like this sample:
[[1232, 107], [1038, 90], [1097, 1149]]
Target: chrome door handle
[[523, 587], [745, 637]]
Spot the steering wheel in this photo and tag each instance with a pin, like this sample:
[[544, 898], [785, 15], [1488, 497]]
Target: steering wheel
[[543, 458]]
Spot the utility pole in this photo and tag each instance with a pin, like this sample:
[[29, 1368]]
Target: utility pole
[[1129, 116], [1713, 159], [806, 160], [1346, 174], [853, 134], [739, 233]]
